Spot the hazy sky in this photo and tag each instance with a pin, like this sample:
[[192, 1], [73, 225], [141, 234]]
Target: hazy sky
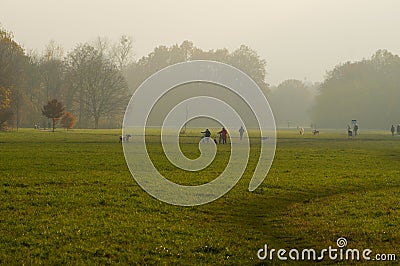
[[298, 39]]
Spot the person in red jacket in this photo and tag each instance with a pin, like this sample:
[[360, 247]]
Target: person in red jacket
[[223, 134]]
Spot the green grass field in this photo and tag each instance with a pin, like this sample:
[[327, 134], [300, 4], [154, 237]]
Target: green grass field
[[69, 198]]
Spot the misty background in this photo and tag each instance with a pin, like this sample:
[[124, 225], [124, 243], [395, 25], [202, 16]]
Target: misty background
[[320, 63]]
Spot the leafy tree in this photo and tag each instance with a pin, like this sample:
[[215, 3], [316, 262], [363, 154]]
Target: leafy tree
[[11, 60], [5, 110], [291, 102], [68, 120], [12, 78], [247, 60], [17, 101], [53, 110], [19, 74], [243, 58], [366, 90]]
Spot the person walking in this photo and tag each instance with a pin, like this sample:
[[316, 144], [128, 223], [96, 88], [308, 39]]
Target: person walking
[[392, 130], [398, 129], [355, 129], [223, 134], [241, 131]]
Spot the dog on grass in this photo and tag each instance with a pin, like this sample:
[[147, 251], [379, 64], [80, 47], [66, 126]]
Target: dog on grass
[[124, 138]]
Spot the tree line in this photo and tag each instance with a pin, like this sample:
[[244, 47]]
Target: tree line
[[95, 80], [88, 81], [367, 90]]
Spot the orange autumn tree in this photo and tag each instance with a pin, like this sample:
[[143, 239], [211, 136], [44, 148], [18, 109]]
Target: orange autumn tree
[[12, 63], [68, 120]]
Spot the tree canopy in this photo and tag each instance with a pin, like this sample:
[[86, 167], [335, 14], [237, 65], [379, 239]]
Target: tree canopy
[[100, 88], [53, 110], [68, 120], [291, 103], [12, 59], [95, 80], [243, 58], [366, 90]]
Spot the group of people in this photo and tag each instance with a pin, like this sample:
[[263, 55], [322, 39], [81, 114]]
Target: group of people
[[222, 136], [223, 133], [355, 130], [392, 129]]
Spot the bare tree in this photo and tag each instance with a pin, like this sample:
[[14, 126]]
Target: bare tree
[[101, 90], [53, 51], [102, 45], [122, 52], [52, 70]]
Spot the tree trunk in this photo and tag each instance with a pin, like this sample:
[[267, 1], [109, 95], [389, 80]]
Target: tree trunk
[[80, 107], [54, 123], [96, 122], [17, 118]]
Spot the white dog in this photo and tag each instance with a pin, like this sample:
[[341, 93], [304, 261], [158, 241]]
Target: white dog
[[124, 138]]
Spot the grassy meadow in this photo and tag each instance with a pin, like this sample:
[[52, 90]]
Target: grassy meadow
[[69, 198]]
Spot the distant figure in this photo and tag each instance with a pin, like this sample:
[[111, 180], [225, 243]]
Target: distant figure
[[398, 129], [223, 134], [392, 130], [207, 135], [241, 131], [264, 138], [355, 129], [301, 131], [349, 132], [124, 138], [315, 132]]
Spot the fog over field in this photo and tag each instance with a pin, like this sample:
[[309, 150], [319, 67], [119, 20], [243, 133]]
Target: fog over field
[[298, 39], [214, 132], [295, 50]]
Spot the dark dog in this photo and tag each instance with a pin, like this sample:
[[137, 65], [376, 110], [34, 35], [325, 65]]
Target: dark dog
[[124, 138]]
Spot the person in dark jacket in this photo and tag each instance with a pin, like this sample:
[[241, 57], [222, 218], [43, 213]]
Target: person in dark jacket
[[207, 135], [355, 129], [241, 131]]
